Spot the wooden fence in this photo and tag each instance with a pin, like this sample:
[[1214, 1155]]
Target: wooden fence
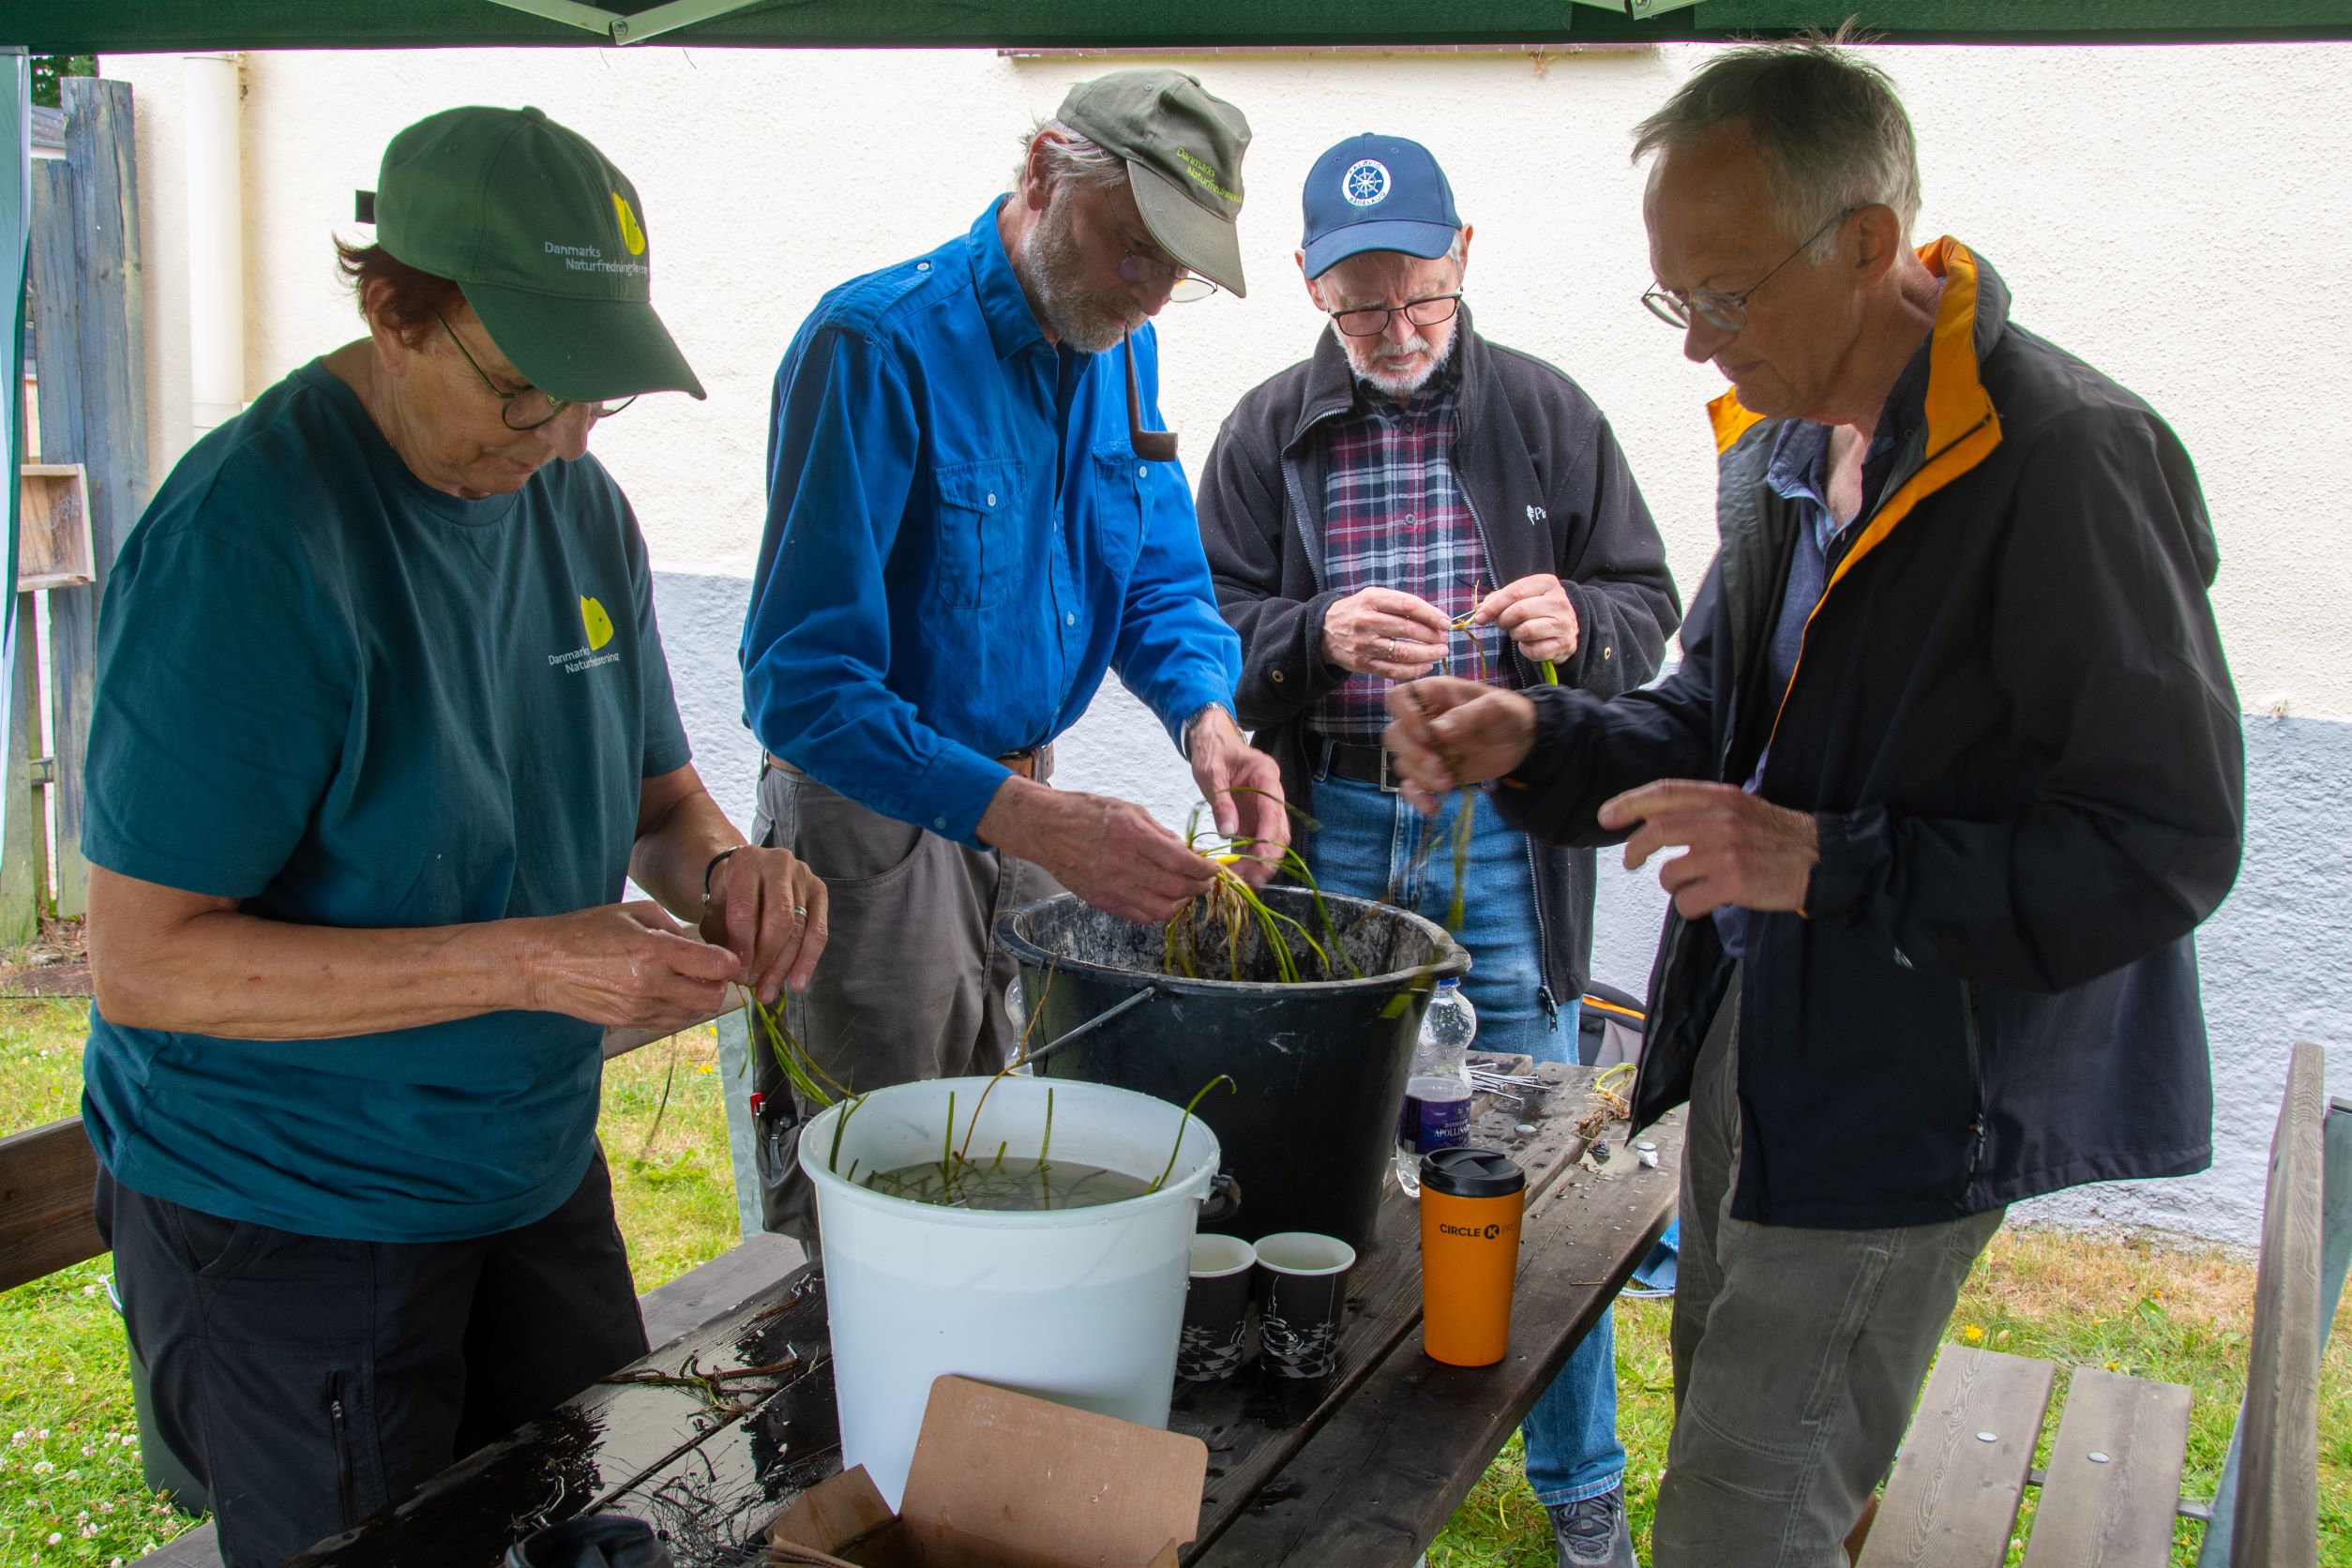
[[90, 416]]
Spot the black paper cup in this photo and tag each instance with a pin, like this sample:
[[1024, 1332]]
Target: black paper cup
[[1216, 1309], [1301, 1287]]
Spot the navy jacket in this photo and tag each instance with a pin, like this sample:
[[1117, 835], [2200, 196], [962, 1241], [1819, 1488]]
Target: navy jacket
[[2014, 725]]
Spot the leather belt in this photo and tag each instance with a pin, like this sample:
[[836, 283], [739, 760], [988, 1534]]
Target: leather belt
[[1035, 764], [1362, 765]]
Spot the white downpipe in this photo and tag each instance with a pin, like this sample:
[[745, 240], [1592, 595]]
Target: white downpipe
[[216, 241]]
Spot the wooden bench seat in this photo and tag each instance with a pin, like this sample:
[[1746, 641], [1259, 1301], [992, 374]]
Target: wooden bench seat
[[2113, 1487]]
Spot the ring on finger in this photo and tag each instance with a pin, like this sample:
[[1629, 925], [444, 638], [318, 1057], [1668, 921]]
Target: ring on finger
[[1388, 649], [800, 912]]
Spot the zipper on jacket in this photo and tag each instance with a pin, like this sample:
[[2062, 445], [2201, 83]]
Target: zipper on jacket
[[345, 1490], [1976, 1081], [1298, 509]]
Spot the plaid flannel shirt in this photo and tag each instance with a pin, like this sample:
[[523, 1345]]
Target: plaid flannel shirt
[[1394, 515]]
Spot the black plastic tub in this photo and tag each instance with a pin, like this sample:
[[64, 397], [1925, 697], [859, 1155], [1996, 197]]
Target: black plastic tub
[[1320, 1065]]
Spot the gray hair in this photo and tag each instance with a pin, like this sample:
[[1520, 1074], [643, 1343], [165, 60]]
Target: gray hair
[[1070, 159], [1832, 133]]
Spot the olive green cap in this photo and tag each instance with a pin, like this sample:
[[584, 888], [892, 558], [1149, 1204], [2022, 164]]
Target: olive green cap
[[547, 240], [1183, 151]]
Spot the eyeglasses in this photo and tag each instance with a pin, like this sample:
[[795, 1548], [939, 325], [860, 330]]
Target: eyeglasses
[[1728, 312], [1371, 321], [1187, 286], [530, 408]]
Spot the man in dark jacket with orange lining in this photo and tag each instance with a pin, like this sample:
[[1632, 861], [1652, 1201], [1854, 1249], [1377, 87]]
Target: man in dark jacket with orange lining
[[1955, 766]]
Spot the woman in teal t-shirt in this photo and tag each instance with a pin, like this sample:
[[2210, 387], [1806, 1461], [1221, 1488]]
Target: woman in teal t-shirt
[[383, 728]]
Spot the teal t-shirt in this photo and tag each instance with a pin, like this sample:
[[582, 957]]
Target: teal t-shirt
[[347, 698]]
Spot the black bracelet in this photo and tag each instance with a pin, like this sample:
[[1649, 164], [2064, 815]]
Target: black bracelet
[[707, 873]]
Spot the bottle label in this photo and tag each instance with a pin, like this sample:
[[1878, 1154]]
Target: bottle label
[[1428, 1125]]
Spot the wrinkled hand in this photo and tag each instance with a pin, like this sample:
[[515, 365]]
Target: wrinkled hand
[[1253, 815], [1109, 852], [1537, 614], [768, 909], [1447, 733], [1380, 631], [1738, 849], [626, 964]]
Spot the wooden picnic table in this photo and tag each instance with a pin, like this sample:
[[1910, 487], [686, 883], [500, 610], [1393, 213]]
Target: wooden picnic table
[[1363, 1467]]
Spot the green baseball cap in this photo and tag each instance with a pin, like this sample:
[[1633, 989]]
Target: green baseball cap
[[1183, 151], [547, 239]]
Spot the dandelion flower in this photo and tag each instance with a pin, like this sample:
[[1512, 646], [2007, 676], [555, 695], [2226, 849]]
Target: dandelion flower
[[1972, 1334]]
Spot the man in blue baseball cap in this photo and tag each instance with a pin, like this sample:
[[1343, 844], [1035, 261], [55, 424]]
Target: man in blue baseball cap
[[1412, 497]]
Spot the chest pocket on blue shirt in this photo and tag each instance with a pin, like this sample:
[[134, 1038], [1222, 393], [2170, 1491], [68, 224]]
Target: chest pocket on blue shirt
[[979, 531], [1120, 477]]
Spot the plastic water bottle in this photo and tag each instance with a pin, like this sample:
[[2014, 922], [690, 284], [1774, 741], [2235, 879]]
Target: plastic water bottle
[[1438, 1094]]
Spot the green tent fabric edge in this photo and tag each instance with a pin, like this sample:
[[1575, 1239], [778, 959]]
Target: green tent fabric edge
[[98, 25]]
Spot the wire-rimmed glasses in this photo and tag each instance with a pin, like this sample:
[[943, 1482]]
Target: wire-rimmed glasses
[[1726, 313], [529, 408]]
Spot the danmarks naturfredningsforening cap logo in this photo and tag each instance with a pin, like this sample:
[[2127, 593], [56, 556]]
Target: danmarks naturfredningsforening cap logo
[[1183, 149], [546, 237], [1366, 184]]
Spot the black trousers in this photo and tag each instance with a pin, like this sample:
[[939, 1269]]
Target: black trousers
[[307, 1381]]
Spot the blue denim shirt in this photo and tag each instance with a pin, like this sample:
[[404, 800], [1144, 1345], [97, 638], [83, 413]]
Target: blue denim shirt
[[961, 542]]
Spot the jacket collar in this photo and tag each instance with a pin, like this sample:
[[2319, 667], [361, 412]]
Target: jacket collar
[[1969, 320], [1331, 382], [1012, 325]]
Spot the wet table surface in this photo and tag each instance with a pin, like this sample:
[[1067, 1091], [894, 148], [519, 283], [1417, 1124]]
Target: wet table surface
[[713, 1436]]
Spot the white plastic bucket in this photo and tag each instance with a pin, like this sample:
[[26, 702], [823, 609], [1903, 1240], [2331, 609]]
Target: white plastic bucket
[[1083, 1306]]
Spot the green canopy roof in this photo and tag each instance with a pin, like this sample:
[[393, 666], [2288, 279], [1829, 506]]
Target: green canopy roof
[[87, 25]]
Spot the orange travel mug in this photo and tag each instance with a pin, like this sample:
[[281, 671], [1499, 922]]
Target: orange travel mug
[[1470, 1200]]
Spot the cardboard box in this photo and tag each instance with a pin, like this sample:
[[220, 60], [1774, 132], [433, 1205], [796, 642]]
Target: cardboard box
[[1003, 1479]]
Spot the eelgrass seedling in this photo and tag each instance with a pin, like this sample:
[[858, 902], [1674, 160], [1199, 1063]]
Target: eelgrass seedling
[[1233, 909], [1225, 1079]]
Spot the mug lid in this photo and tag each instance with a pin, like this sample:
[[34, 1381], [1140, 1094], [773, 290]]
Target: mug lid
[[1470, 1172]]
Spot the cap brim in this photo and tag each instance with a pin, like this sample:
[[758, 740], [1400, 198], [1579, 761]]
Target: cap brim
[[1427, 240], [1203, 242], [583, 351]]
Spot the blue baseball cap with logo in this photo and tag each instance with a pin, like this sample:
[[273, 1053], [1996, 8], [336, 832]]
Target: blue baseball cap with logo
[[1377, 193]]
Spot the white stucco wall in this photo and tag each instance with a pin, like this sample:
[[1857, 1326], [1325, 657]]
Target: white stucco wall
[[2170, 214]]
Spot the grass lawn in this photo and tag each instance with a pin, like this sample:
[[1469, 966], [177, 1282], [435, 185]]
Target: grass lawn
[[70, 1490]]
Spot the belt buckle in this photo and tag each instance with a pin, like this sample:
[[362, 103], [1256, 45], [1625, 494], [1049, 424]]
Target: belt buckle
[[1386, 787]]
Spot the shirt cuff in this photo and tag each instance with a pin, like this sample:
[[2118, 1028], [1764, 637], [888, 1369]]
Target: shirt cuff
[[957, 787], [1189, 700]]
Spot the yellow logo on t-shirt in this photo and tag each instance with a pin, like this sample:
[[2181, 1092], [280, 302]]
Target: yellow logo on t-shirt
[[632, 236], [599, 624]]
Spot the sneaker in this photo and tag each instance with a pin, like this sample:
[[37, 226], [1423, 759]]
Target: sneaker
[[1592, 1533]]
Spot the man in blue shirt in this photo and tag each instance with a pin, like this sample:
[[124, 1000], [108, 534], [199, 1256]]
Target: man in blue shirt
[[969, 522]]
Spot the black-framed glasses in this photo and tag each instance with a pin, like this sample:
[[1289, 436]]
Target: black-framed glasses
[[1726, 312], [1185, 285], [530, 408], [1372, 320]]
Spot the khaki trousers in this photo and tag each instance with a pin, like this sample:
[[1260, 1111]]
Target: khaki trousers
[[912, 985], [1798, 1354]]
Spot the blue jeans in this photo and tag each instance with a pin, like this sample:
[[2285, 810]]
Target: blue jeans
[[1365, 848]]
